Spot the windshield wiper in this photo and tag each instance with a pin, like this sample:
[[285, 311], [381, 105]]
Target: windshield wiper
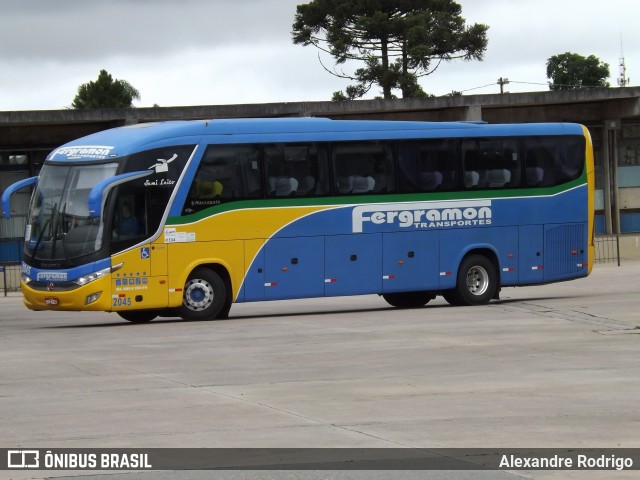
[[56, 226], [65, 230], [59, 226], [44, 229], [35, 249]]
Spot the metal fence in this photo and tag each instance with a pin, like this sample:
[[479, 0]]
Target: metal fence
[[10, 277], [607, 248]]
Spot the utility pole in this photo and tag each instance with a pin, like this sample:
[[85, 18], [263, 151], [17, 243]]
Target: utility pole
[[502, 82]]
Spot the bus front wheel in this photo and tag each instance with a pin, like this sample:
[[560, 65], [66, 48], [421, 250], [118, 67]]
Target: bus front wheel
[[204, 296], [139, 316], [477, 281], [408, 299]]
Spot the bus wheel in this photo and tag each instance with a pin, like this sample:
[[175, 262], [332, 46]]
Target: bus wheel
[[139, 316], [477, 280], [204, 295], [408, 299]]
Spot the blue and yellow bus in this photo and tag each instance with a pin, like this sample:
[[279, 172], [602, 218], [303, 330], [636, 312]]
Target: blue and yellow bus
[[184, 218]]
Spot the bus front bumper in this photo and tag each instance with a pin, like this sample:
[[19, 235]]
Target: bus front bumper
[[94, 296]]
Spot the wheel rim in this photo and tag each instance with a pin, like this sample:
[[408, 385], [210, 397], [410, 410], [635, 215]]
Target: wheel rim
[[198, 295], [477, 280]]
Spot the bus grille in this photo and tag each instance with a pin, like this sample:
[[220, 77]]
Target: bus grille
[[565, 248]]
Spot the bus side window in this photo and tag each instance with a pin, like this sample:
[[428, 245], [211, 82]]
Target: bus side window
[[279, 182], [504, 169], [363, 167], [130, 219], [227, 172], [309, 167], [427, 165], [407, 153], [550, 161], [471, 164], [572, 160], [491, 163], [539, 163], [534, 172], [295, 170]]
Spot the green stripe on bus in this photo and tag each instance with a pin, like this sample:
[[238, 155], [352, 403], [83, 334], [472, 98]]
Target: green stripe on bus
[[368, 199]]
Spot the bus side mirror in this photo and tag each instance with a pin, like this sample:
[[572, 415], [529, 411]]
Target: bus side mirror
[[97, 193], [6, 196]]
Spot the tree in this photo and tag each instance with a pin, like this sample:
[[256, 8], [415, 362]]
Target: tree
[[398, 41], [570, 71], [105, 92]]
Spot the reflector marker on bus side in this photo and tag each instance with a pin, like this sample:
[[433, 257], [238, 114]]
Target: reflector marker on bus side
[[388, 277], [330, 280], [175, 290], [508, 269], [271, 284], [536, 267], [583, 265], [445, 274]]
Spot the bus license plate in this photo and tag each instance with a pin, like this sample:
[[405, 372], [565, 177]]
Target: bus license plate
[[51, 301]]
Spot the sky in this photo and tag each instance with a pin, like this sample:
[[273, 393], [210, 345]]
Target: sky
[[219, 52]]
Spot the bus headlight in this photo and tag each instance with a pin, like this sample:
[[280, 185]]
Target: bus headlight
[[26, 279], [92, 277]]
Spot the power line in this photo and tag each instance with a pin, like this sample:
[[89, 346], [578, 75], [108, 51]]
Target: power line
[[501, 82], [561, 85], [532, 83], [477, 88], [504, 81]]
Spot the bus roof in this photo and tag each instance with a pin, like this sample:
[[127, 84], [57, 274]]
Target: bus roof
[[120, 141]]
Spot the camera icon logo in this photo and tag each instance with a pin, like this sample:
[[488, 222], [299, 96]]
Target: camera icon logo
[[23, 458]]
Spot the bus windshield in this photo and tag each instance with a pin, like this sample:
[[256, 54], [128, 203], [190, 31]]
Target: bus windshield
[[59, 227]]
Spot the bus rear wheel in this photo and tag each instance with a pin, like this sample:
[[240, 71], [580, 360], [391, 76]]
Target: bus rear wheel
[[139, 316], [204, 295], [477, 281], [408, 299]]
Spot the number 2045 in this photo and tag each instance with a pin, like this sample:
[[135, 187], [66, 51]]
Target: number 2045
[[121, 302]]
